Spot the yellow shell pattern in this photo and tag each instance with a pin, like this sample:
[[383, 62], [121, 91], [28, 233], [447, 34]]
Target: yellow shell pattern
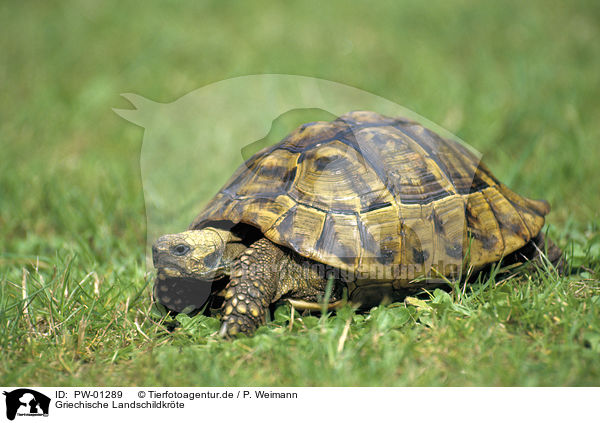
[[385, 199]]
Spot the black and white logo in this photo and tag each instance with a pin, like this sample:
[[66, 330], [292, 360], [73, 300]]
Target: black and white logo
[[26, 402]]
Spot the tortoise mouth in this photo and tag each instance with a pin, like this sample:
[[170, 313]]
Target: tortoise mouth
[[170, 272]]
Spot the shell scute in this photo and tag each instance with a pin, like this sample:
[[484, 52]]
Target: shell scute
[[369, 193]]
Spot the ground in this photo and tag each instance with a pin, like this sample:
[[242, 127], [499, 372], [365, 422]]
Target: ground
[[515, 80]]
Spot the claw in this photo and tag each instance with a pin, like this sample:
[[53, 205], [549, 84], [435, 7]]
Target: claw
[[223, 331], [229, 330]]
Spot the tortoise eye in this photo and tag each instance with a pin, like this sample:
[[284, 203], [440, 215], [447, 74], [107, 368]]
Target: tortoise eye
[[181, 249]]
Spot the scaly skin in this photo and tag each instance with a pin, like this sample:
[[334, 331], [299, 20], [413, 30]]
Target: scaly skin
[[259, 275], [252, 287], [265, 272]]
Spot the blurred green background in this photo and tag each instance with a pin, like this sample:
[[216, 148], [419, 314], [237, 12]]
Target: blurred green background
[[517, 80]]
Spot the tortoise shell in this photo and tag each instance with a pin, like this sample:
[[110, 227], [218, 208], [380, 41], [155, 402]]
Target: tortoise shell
[[367, 193]]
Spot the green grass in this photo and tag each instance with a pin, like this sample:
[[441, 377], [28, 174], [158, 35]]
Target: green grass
[[516, 81]]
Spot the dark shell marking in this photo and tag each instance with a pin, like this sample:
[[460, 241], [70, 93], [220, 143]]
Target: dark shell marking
[[366, 190]]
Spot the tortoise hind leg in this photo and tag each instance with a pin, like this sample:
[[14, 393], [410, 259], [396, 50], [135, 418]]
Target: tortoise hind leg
[[537, 250], [554, 254]]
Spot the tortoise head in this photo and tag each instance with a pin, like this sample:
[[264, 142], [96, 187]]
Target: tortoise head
[[197, 254]]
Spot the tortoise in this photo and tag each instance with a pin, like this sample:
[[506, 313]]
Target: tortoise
[[376, 206]]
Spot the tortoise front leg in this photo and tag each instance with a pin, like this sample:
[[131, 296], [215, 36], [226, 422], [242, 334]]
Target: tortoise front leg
[[253, 286]]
